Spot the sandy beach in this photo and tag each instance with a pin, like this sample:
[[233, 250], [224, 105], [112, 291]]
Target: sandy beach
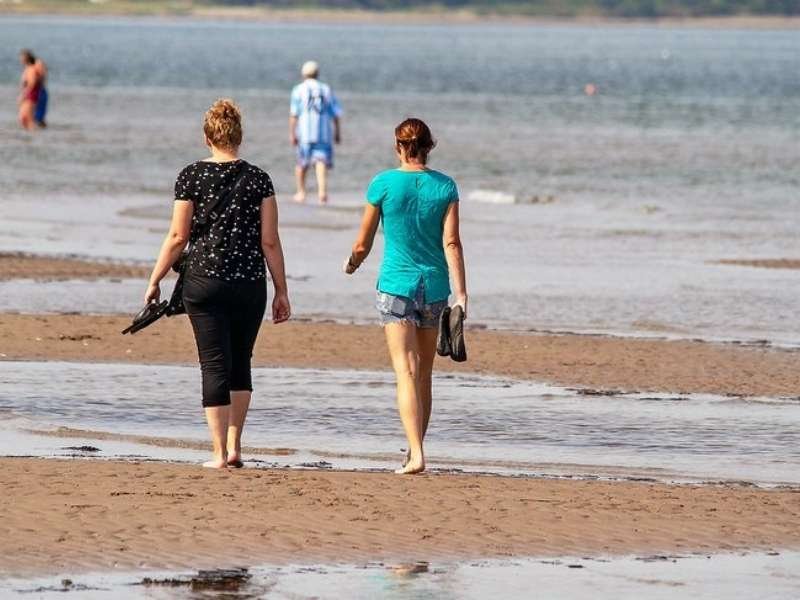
[[632, 392], [81, 515]]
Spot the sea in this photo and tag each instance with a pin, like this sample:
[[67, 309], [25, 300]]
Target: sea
[[604, 213], [606, 173]]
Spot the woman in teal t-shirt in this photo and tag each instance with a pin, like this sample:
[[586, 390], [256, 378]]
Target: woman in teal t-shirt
[[419, 211]]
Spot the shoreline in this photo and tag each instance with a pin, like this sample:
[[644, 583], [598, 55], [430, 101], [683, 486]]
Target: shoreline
[[113, 515], [594, 364], [322, 16]]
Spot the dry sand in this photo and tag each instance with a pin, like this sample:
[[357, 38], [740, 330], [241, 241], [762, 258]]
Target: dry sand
[[79, 515], [595, 362]]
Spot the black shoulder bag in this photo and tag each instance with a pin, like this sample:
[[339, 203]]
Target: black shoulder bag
[[175, 306]]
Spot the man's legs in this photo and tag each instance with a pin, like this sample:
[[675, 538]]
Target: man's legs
[[300, 180], [322, 181]]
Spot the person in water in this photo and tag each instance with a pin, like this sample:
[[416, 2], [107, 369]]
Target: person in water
[[30, 90], [225, 207], [422, 251], [40, 114], [314, 125]]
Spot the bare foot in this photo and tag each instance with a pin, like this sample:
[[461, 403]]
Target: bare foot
[[412, 467], [235, 460], [299, 197], [217, 463]]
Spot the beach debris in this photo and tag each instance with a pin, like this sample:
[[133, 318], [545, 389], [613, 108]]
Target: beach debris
[[213, 580], [82, 448], [67, 585], [593, 392], [320, 464], [407, 569], [78, 337], [659, 558]]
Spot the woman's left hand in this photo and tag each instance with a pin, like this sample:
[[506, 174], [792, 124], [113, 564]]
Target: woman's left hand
[[462, 302], [153, 293]]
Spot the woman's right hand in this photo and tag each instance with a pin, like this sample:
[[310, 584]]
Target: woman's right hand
[[153, 293], [281, 310], [348, 267]]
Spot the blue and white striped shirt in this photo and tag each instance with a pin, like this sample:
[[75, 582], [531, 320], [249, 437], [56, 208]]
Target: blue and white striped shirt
[[315, 107]]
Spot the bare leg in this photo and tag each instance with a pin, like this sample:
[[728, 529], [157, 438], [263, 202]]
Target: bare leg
[[402, 341], [26, 114], [240, 402], [322, 181], [217, 417], [426, 342], [300, 181]]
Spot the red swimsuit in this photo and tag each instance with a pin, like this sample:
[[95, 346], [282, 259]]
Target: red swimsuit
[[33, 93]]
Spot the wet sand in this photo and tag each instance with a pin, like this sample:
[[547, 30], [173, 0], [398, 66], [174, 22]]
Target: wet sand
[[595, 362], [79, 515], [763, 263], [27, 266]]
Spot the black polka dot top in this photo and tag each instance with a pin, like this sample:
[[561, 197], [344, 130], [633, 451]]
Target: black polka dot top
[[230, 247]]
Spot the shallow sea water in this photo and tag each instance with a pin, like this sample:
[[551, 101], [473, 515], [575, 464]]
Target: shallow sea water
[[347, 419], [731, 576]]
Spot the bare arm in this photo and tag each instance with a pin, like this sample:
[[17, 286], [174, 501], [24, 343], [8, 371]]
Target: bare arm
[[26, 84], [273, 253], [454, 253], [293, 130], [365, 239], [174, 243]]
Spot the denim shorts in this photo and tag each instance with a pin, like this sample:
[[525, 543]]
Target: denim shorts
[[308, 154], [398, 309]]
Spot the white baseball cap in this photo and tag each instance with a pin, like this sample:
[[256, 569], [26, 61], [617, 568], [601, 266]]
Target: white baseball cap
[[310, 68]]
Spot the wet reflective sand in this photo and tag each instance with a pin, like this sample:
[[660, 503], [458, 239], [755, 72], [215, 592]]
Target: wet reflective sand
[[348, 420], [732, 576]]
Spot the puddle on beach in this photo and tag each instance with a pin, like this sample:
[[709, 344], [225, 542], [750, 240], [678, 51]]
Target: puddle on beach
[[770, 576], [310, 418]]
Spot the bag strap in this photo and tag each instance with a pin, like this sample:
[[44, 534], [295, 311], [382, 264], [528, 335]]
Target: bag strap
[[213, 211]]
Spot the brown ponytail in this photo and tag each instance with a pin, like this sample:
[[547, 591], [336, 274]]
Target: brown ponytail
[[414, 137], [223, 124]]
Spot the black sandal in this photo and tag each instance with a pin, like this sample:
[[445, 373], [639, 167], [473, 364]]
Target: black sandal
[[443, 346], [458, 348], [151, 313]]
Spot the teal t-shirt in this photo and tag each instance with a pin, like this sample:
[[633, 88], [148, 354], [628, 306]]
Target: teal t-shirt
[[413, 205]]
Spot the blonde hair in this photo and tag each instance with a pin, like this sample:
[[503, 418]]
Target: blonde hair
[[222, 124]]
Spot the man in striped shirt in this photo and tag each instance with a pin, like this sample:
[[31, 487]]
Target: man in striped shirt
[[313, 128]]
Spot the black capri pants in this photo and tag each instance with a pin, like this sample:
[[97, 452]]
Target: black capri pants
[[225, 317]]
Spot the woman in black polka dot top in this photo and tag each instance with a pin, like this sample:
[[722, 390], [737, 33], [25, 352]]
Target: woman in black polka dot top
[[226, 208], [231, 244]]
